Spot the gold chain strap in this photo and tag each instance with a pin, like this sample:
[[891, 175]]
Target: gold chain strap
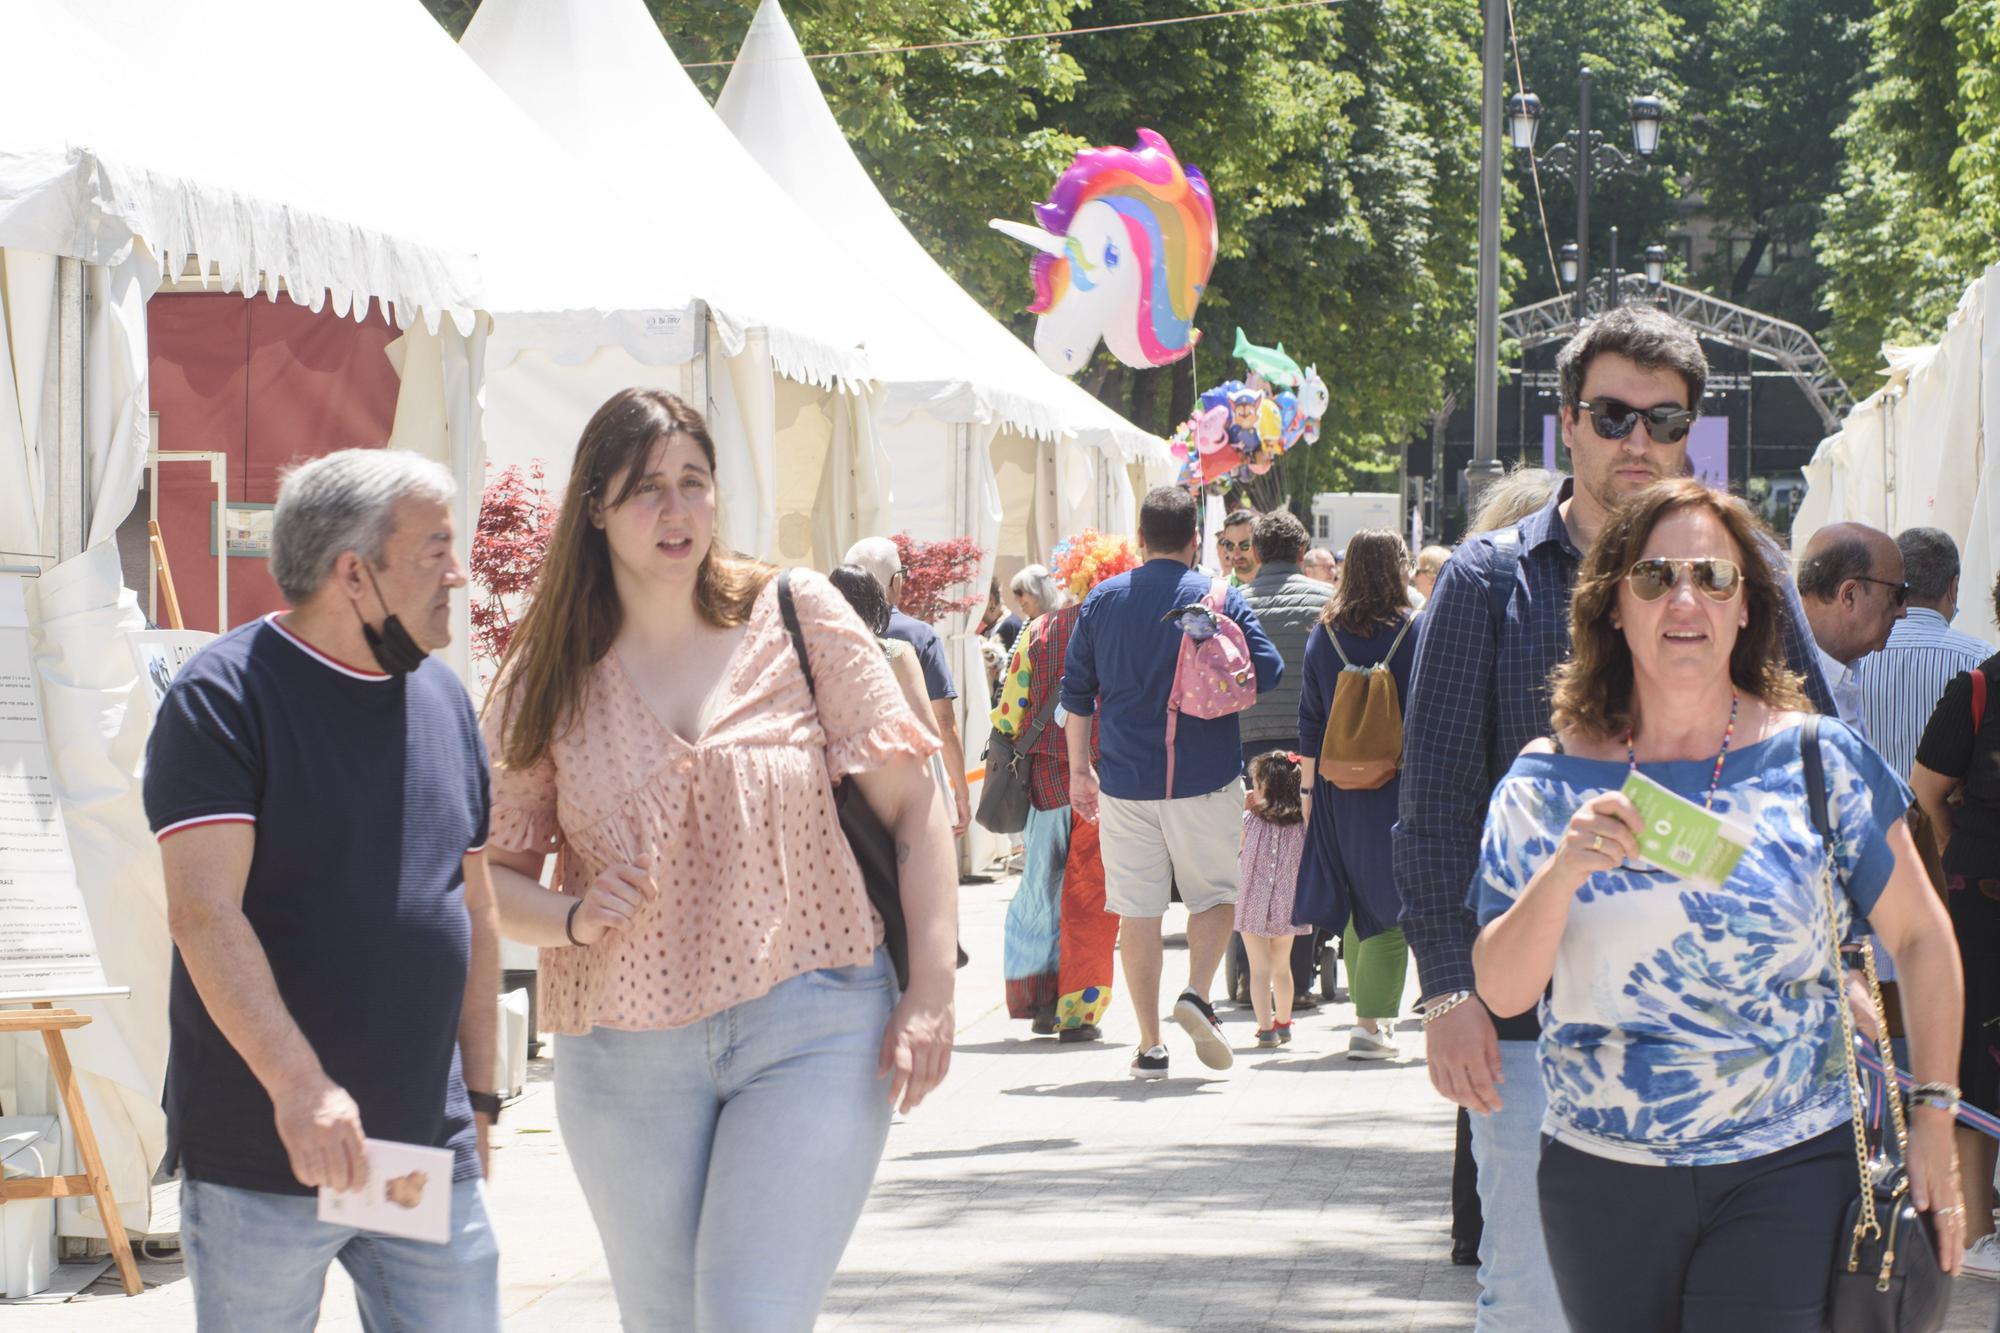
[[1869, 1224]]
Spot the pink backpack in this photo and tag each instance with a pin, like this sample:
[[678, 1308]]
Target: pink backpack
[[1213, 677]]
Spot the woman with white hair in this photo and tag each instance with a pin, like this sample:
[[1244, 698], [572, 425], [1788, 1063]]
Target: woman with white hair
[[1035, 592]]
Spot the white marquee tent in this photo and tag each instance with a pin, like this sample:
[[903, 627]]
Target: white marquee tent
[[598, 78], [142, 142], [1924, 451]]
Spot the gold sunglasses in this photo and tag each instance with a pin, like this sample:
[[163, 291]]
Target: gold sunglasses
[[1650, 580]]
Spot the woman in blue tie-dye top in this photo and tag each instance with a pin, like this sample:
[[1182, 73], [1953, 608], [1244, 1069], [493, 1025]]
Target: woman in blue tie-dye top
[[1697, 1157]]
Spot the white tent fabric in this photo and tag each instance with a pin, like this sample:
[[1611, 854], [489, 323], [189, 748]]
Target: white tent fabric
[[1924, 450], [598, 78]]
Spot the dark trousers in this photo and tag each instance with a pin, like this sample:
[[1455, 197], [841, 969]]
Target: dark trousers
[[1742, 1248], [1466, 1223]]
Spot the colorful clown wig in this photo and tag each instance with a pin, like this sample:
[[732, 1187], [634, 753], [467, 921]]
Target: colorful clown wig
[[1089, 558], [1169, 223]]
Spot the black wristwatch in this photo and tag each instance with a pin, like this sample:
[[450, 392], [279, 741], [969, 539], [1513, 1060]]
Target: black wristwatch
[[485, 1103]]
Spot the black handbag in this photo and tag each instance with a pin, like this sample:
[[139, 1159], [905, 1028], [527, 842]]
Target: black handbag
[[1003, 796], [1886, 1277], [874, 846]]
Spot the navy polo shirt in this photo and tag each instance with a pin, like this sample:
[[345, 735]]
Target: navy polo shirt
[[367, 791], [1120, 665], [930, 654]]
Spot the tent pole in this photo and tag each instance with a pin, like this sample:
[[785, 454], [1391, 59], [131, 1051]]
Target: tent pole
[[64, 482]]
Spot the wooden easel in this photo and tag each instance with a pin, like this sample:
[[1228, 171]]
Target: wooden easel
[[52, 1022]]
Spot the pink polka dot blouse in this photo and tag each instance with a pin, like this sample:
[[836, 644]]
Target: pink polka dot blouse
[[757, 884]]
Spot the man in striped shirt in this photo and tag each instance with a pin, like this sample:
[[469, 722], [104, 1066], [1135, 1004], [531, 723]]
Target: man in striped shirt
[[1901, 684]]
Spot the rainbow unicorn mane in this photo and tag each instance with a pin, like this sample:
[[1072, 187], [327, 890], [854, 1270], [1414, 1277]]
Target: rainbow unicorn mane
[[1168, 215]]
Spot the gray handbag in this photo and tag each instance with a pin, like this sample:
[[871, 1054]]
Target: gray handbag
[[1003, 799]]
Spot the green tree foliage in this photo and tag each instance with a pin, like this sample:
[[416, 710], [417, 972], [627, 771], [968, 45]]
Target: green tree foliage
[[1768, 84], [1916, 214]]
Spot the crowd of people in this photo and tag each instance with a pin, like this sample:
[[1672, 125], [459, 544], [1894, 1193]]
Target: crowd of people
[[722, 799]]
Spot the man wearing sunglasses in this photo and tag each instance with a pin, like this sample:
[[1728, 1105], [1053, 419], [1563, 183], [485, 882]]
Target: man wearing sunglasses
[[1236, 544], [1497, 622], [1851, 580]]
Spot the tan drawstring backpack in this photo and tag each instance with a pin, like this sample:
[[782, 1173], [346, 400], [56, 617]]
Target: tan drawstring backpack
[[1363, 745]]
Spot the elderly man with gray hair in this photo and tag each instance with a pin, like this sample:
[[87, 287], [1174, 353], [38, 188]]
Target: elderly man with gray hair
[[881, 557], [1901, 684], [319, 790]]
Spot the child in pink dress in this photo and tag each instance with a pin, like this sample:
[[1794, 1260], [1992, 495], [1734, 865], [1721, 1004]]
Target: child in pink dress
[[1274, 838]]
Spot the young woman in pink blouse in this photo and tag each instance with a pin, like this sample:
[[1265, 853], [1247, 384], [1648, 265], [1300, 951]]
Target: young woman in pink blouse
[[731, 1043]]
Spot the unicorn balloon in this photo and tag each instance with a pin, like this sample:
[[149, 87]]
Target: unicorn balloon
[[1313, 400], [1127, 241]]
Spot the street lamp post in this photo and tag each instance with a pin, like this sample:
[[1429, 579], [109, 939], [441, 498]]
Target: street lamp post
[[1485, 465], [1586, 157]]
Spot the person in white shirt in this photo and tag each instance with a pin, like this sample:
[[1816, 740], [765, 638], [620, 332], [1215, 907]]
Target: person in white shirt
[[1851, 584], [1901, 684]]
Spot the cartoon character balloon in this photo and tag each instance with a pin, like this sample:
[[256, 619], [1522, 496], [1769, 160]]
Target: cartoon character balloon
[[1127, 241]]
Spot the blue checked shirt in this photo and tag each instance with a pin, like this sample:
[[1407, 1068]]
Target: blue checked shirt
[[1476, 698], [1901, 684]]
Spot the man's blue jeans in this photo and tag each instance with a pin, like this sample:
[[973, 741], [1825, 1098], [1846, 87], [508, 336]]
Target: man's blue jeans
[[726, 1162], [1517, 1289], [258, 1261]]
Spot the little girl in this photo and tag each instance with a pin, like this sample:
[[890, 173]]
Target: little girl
[[1274, 837]]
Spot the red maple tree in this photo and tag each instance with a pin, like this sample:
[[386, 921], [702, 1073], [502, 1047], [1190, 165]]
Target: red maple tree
[[516, 520], [934, 569]]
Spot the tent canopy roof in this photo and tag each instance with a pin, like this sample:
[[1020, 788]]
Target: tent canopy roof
[[775, 107], [429, 189]]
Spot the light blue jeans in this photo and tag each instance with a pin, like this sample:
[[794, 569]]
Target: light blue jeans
[[726, 1162], [258, 1261], [1517, 1289]]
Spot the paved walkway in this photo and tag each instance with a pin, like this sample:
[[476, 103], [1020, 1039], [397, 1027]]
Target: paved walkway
[[1043, 1188]]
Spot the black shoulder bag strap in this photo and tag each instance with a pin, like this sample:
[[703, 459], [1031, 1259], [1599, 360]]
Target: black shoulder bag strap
[[1815, 774], [871, 842]]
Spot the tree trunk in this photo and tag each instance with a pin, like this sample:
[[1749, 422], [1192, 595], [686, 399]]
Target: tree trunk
[[1180, 397], [1746, 272]]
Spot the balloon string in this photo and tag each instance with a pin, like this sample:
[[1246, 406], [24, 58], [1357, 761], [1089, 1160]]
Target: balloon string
[[1054, 35]]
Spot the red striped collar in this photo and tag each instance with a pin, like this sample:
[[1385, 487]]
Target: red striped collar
[[332, 663]]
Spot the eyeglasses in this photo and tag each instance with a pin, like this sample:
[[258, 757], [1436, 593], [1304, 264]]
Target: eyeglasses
[[1224, 544], [1899, 591], [1650, 580], [1615, 418]]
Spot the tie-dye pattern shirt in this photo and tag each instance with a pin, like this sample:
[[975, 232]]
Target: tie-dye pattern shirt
[[1685, 1025]]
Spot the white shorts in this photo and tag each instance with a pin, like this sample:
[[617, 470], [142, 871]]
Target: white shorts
[[1151, 847]]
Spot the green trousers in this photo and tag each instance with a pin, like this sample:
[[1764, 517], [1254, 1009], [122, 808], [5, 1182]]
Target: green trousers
[[1376, 968]]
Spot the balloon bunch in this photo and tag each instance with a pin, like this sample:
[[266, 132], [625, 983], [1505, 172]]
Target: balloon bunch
[[1242, 427]]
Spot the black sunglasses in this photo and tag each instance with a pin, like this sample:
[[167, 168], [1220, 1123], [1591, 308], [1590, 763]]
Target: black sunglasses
[[1899, 591], [1615, 418]]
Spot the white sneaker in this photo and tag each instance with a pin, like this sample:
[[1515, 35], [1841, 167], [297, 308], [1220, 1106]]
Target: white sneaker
[[1982, 1259], [1366, 1045]]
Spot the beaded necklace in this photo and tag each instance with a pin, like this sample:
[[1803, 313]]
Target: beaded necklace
[[1715, 778]]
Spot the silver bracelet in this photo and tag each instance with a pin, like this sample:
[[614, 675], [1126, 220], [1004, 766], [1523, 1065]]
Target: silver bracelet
[[1438, 1009], [1943, 1096]]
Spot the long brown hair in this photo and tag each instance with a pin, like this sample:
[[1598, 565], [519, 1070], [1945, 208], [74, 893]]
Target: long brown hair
[[1374, 590], [574, 615], [1593, 688]]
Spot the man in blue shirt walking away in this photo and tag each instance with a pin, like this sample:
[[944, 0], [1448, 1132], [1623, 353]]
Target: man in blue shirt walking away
[[1120, 666]]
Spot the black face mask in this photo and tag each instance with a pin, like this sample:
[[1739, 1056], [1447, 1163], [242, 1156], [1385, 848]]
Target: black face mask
[[394, 649]]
